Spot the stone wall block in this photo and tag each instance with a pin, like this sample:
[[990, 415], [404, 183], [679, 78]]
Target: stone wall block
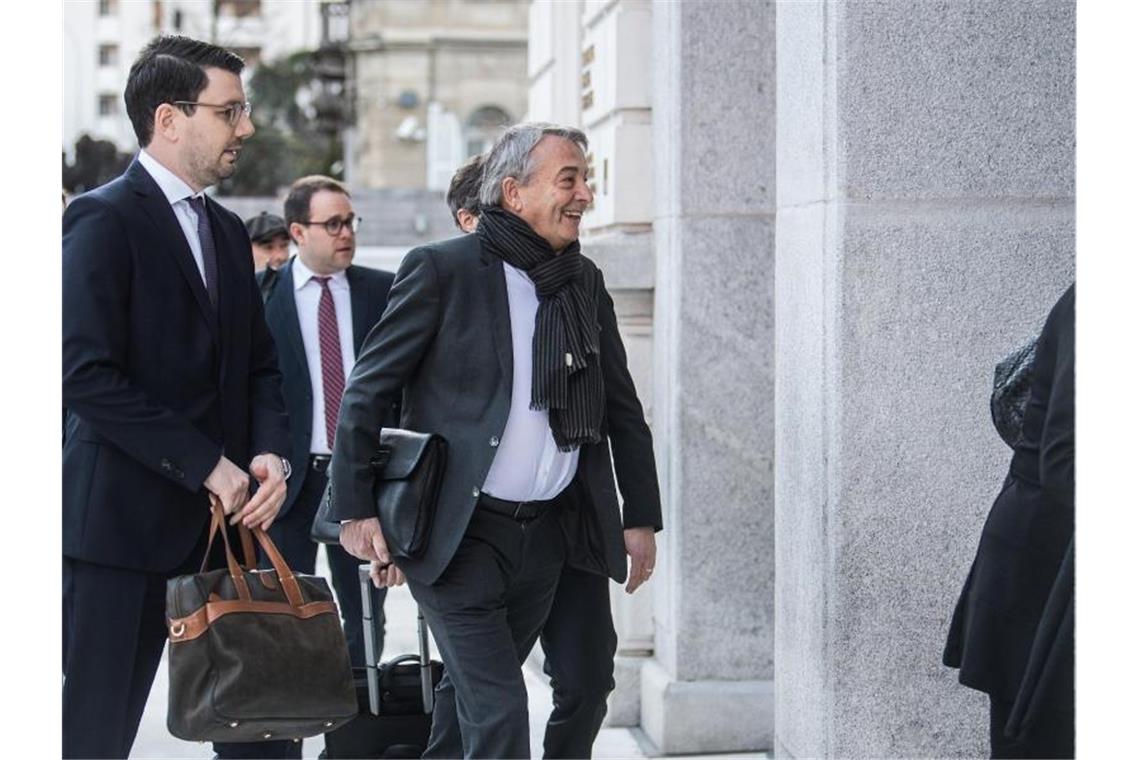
[[961, 100], [727, 63]]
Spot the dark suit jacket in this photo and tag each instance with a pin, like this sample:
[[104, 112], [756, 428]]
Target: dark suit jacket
[[156, 385], [369, 293], [1028, 531], [446, 340]]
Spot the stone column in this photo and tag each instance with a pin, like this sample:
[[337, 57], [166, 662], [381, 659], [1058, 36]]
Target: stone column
[[709, 686], [554, 34], [924, 228]]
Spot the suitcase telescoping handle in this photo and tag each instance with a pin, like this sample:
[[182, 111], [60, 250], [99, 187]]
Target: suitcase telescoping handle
[[372, 656], [425, 663]]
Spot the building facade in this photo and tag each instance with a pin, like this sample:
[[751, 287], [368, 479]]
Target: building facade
[[825, 223], [432, 83], [103, 37]]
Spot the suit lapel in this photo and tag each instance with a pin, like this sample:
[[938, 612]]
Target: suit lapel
[[281, 309], [495, 288], [361, 306], [230, 289], [158, 209]]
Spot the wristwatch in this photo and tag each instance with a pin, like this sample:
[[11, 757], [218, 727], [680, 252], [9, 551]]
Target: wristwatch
[[285, 466]]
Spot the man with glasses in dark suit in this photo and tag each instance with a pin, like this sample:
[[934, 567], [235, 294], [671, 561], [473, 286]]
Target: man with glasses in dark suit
[[320, 307], [170, 380]]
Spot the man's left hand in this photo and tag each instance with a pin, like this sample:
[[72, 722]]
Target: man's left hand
[[641, 546], [263, 506]]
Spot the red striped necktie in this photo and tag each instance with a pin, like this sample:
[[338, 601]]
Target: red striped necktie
[[332, 363]]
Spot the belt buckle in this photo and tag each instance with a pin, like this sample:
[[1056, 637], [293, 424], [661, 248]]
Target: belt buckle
[[518, 508]]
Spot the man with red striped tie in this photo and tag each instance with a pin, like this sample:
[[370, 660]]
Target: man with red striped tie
[[319, 309]]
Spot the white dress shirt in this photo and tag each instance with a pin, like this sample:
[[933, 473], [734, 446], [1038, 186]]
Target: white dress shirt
[[528, 465], [178, 194], [307, 294]]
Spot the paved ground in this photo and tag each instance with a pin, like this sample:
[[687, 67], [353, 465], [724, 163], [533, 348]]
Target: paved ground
[[154, 741]]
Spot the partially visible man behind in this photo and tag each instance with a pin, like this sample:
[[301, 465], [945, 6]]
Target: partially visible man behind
[[463, 193], [170, 379], [505, 343], [269, 238]]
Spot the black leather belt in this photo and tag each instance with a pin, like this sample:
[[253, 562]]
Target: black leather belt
[[516, 510], [319, 462]]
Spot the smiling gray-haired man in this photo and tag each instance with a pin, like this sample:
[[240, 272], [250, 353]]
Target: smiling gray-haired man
[[505, 343]]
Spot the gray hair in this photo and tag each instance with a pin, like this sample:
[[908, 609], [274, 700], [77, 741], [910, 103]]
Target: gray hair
[[510, 156]]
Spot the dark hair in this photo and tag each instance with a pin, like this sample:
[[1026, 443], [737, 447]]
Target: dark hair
[[301, 193], [464, 190], [170, 68]]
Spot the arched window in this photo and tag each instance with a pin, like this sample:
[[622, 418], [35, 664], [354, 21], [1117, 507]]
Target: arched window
[[483, 127]]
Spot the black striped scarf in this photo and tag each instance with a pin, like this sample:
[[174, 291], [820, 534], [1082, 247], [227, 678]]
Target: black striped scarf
[[567, 373]]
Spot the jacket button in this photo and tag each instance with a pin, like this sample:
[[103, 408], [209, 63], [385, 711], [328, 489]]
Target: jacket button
[[494, 441], [475, 492]]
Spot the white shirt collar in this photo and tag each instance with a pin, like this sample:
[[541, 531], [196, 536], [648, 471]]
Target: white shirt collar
[[302, 274], [171, 185]]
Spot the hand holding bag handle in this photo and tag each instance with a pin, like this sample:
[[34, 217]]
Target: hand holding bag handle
[[249, 658]]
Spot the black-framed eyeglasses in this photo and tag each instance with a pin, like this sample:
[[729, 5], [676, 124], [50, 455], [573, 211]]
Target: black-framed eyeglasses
[[231, 112], [334, 224]]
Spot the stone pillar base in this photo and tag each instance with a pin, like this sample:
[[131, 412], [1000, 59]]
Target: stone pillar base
[[691, 717], [624, 707]]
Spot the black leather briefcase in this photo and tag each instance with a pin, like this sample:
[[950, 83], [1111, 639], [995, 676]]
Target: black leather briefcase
[[408, 469]]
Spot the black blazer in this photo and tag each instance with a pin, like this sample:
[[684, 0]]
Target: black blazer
[[446, 341], [156, 385], [1028, 531], [369, 292]]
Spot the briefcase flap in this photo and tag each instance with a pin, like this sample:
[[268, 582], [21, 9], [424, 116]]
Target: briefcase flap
[[401, 451]]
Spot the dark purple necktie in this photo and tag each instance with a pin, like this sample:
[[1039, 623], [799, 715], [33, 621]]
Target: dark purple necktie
[[209, 251], [332, 363]]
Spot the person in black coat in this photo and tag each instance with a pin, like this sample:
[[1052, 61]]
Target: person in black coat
[[578, 638], [1019, 589], [505, 343], [170, 380]]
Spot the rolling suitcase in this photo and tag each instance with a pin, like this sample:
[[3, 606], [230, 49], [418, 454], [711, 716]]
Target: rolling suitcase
[[395, 698]]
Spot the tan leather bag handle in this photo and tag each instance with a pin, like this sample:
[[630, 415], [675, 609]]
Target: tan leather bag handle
[[217, 525], [246, 544], [284, 573]]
